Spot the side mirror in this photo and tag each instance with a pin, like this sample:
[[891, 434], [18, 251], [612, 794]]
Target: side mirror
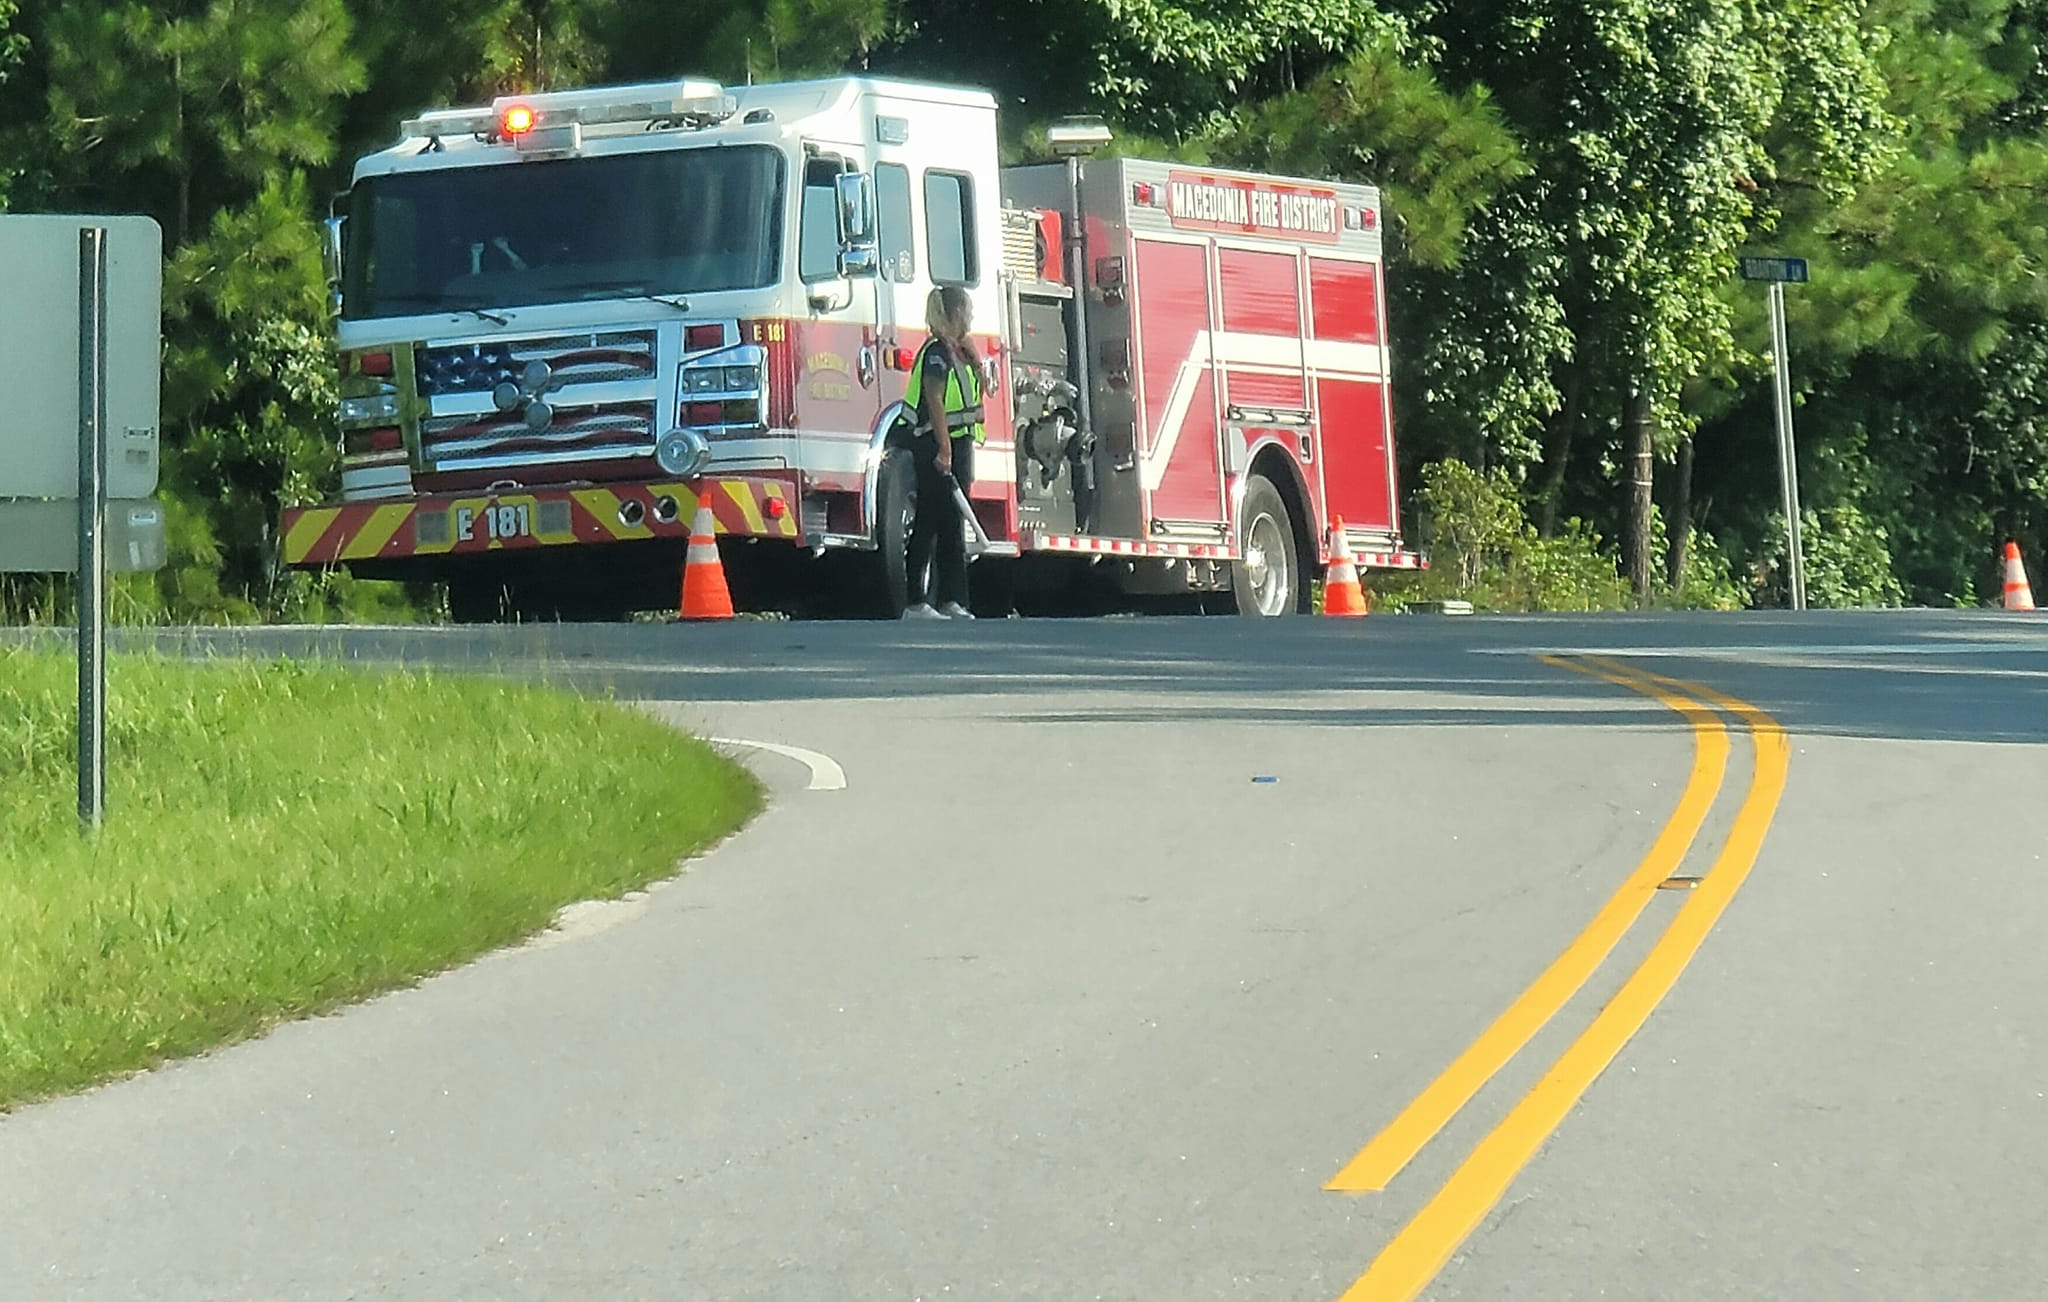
[[331, 252], [859, 263], [856, 193]]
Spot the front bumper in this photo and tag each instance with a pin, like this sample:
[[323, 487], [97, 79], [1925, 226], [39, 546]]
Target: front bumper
[[317, 537]]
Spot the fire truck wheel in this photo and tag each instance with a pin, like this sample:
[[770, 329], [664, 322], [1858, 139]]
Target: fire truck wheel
[[895, 509], [1267, 582]]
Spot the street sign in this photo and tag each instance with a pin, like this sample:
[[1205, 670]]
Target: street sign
[[81, 327], [1780, 270], [39, 337]]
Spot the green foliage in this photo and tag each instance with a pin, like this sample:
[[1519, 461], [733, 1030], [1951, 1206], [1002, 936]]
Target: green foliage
[[184, 107], [1708, 581], [1179, 68], [362, 830], [1848, 561], [13, 45], [1482, 549]]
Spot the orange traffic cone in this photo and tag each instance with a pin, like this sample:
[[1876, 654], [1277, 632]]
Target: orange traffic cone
[[2018, 594], [1342, 595], [705, 595]]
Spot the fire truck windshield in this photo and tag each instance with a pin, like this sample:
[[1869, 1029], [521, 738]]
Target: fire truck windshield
[[680, 221]]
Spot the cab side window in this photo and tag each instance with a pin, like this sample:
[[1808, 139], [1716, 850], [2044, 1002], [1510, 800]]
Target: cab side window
[[892, 236], [949, 229], [817, 255]]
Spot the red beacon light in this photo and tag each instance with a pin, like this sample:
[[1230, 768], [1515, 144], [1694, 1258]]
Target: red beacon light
[[516, 120]]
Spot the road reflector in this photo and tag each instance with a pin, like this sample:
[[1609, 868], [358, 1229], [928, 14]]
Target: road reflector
[[1678, 883]]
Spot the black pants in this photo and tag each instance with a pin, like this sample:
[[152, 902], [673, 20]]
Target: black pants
[[938, 539]]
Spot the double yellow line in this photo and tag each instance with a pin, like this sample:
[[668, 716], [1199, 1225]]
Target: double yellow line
[[1419, 1251]]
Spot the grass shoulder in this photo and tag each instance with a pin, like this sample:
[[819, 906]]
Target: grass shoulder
[[284, 838]]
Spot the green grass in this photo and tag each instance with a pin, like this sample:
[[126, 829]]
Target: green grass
[[283, 838]]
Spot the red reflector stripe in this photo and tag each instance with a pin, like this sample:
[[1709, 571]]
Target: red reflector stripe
[[697, 338]]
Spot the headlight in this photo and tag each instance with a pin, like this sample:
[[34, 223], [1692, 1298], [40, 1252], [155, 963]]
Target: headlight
[[734, 372], [381, 406], [682, 452]]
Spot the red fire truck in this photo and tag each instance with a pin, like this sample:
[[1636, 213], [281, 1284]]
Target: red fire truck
[[565, 319]]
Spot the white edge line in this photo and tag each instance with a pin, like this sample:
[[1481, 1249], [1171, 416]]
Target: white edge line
[[826, 775]]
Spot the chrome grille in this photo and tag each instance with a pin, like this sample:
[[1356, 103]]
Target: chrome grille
[[504, 438], [602, 357]]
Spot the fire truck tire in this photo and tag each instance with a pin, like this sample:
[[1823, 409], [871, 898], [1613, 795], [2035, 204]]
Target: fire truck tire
[[895, 509], [1267, 581]]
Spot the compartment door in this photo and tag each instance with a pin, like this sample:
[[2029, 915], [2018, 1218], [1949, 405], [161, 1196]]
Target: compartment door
[[1347, 365], [1179, 448]]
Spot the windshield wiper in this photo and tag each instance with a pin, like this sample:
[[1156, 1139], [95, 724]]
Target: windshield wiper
[[433, 304], [632, 289]]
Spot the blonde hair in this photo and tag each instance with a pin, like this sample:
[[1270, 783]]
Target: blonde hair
[[947, 313]]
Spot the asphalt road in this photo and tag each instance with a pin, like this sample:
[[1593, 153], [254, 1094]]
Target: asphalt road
[[1123, 938]]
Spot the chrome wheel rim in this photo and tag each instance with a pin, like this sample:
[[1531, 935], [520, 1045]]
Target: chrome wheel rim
[[1265, 564]]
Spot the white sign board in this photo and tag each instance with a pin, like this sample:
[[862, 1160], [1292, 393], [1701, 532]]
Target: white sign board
[[42, 537], [39, 339]]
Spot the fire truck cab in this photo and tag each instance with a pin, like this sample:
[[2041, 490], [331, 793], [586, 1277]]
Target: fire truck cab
[[566, 320]]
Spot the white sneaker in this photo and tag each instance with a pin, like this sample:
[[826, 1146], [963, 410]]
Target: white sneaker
[[922, 610], [954, 610]]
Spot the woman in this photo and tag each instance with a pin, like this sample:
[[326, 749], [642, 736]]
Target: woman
[[945, 392]]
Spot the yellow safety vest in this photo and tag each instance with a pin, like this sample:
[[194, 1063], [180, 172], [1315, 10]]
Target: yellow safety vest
[[963, 396]]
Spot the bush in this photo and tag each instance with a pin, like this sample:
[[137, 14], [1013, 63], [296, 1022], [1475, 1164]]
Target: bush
[[1848, 561], [1483, 549]]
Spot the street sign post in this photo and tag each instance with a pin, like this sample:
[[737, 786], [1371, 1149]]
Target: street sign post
[[92, 513], [81, 418], [1778, 272]]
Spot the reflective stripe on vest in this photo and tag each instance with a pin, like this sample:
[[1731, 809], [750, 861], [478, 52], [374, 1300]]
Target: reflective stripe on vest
[[964, 413]]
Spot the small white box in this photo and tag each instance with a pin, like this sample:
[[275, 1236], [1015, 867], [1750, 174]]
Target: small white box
[[39, 354]]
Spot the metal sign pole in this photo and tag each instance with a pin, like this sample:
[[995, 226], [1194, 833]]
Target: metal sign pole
[[92, 510], [1788, 456]]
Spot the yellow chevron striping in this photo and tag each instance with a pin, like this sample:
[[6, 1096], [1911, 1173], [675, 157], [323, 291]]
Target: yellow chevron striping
[[305, 531], [785, 527], [603, 505], [376, 531], [742, 495]]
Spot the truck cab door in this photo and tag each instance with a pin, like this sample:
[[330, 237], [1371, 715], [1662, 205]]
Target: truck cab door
[[837, 400]]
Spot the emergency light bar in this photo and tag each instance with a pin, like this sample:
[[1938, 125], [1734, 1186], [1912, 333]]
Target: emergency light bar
[[449, 122], [509, 116]]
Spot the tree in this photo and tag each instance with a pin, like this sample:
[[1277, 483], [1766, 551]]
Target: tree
[[186, 105], [208, 113], [1646, 126], [1171, 69], [762, 40], [13, 45], [1918, 343]]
